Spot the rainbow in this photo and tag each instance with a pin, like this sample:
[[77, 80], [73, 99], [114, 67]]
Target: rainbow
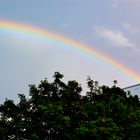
[[29, 29]]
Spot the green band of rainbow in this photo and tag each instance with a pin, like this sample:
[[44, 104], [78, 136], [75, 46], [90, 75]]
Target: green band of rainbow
[[29, 29]]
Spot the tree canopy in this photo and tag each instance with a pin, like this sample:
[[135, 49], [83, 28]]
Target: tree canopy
[[58, 111]]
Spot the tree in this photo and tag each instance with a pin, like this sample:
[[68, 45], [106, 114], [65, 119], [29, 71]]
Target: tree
[[57, 111]]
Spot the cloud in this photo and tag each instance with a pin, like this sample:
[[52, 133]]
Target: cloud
[[128, 27], [114, 37]]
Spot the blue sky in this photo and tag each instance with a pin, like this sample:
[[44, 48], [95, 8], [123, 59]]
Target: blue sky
[[111, 26]]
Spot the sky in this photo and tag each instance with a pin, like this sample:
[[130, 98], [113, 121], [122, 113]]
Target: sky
[[109, 26]]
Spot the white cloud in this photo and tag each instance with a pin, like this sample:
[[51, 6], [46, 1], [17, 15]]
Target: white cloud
[[114, 37]]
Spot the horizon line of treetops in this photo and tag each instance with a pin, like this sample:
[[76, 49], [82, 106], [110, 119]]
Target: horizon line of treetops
[[58, 111]]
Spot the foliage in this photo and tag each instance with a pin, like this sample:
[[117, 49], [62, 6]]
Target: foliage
[[58, 111]]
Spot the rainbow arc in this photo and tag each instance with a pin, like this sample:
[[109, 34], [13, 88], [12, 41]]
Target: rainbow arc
[[29, 29]]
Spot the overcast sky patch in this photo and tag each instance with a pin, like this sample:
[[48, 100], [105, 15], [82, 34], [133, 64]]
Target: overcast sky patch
[[114, 37]]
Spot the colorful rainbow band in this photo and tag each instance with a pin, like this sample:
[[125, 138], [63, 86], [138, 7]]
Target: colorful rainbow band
[[29, 29]]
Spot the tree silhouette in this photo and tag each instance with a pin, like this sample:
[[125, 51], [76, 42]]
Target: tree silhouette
[[57, 111]]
